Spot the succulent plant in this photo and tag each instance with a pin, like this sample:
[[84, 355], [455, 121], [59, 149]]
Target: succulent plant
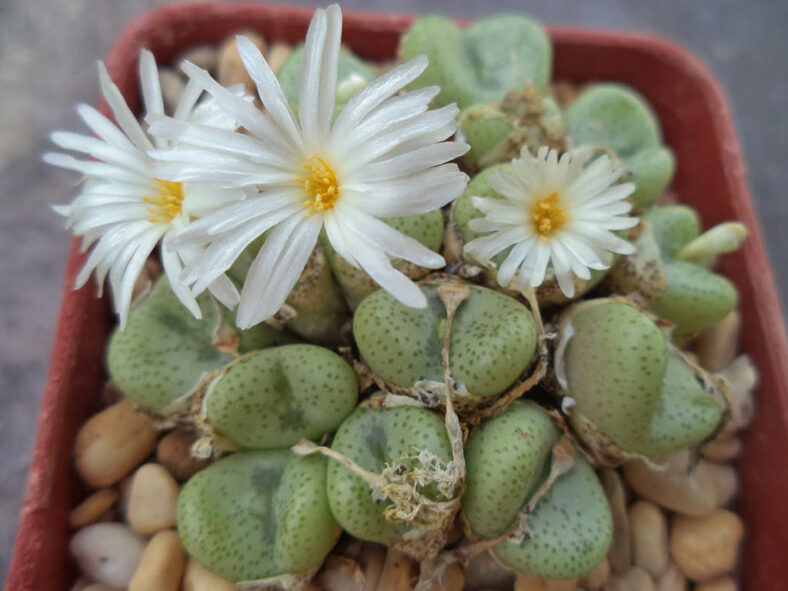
[[164, 351], [695, 297], [616, 118], [492, 341], [627, 386], [276, 397], [569, 531], [356, 284], [464, 211], [258, 515], [376, 439], [481, 63]]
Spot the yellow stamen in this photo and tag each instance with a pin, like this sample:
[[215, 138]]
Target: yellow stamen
[[547, 216], [167, 204], [320, 183]]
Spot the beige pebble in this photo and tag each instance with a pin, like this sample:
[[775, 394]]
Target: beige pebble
[[203, 56], [162, 564], [648, 527], [723, 584], [716, 347], [107, 553], [174, 453], [278, 55], [196, 578], [726, 482], [230, 69], [597, 577], [99, 587], [484, 572], [172, 85], [398, 572], [112, 443], [742, 378], [635, 579], [80, 584], [620, 553], [672, 580], [371, 558], [722, 449], [152, 499], [341, 573], [705, 548], [671, 483], [453, 579], [525, 582], [93, 508]]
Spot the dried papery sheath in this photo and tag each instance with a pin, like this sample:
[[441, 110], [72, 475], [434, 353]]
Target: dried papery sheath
[[125, 208], [384, 155]]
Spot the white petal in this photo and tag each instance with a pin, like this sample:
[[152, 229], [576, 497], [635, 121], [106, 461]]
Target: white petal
[[125, 271], [413, 162], [92, 168], [189, 97], [513, 260], [200, 199], [172, 268], [387, 239], [105, 129], [151, 88], [374, 93], [102, 151], [276, 268], [123, 115], [486, 247]]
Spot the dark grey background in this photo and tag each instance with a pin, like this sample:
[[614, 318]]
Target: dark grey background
[[47, 64]]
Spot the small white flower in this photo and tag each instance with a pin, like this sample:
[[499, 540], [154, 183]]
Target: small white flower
[[124, 208], [383, 156], [556, 212]]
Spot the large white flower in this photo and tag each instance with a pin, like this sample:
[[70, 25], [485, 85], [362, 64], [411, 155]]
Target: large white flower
[[382, 156], [556, 212], [124, 208]]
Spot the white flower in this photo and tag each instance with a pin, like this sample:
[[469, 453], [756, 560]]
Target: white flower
[[124, 208], [382, 156], [556, 212]]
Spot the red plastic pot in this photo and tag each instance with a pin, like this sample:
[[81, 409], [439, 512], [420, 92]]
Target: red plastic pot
[[697, 124]]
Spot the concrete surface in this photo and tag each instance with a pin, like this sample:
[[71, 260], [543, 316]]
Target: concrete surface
[[47, 55]]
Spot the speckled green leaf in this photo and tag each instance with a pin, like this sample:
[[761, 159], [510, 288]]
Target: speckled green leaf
[[492, 341], [695, 298], [277, 397], [481, 63], [569, 532], [257, 514], [164, 351], [506, 458], [674, 226], [374, 438]]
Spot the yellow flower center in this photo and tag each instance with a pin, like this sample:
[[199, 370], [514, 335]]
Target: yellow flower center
[[167, 204], [548, 215], [320, 183]]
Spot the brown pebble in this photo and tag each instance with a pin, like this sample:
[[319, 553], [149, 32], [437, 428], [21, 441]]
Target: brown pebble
[[649, 530], [196, 578], [174, 453], [672, 580], [162, 564], [722, 449], [453, 579], [525, 582], [278, 55], [99, 587], [635, 579], [172, 85], [231, 69], [152, 499], [723, 584], [203, 56], [716, 347], [597, 577], [112, 443], [91, 509], [620, 553], [398, 571], [706, 548]]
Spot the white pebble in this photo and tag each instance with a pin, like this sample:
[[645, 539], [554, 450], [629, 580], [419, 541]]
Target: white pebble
[[107, 553]]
